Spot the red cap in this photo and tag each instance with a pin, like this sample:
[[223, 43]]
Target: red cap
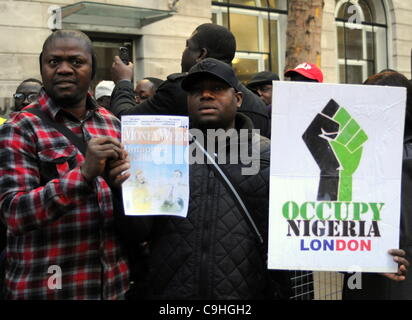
[[307, 70]]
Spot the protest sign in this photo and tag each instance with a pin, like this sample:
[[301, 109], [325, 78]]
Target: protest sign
[[336, 158], [158, 152]]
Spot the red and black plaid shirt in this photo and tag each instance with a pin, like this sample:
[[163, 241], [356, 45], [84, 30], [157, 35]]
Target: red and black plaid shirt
[[64, 223]]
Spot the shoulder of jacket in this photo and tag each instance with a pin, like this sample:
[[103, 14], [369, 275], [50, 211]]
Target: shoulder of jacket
[[20, 123], [21, 117], [176, 76]]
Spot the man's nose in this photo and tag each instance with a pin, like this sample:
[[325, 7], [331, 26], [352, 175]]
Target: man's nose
[[65, 67], [206, 94], [26, 101]]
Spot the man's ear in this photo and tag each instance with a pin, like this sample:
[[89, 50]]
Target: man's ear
[[239, 98], [202, 54]]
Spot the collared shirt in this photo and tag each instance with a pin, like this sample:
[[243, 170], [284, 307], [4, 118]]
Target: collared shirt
[[61, 242]]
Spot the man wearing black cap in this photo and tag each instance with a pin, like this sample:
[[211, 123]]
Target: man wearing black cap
[[207, 41], [213, 96], [214, 253], [261, 84]]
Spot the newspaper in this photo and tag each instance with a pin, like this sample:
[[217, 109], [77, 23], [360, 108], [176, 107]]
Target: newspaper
[[158, 151]]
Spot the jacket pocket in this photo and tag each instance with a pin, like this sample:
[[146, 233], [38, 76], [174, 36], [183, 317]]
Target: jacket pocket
[[55, 162]]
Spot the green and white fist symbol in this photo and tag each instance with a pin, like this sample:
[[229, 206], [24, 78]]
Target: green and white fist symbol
[[336, 141]]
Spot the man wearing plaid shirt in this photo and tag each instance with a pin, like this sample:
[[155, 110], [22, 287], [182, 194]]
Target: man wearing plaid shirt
[[57, 207]]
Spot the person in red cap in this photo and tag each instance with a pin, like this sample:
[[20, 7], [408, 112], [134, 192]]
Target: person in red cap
[[305, 72]]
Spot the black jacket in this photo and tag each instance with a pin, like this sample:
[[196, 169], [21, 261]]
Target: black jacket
[[375, 286], [213, 253], [171, 99]]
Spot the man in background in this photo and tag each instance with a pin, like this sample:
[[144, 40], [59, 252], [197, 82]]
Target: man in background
[[27, 92], [103, 92], [207, 41], [146, 88], [261, 84], [305, 72]]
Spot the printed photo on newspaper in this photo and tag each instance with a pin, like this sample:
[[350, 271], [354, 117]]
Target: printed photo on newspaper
[[158, 151]]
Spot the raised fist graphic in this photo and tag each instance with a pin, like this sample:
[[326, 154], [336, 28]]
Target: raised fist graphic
[[335, 141]]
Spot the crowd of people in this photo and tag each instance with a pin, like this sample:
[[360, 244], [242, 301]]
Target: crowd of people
[[63, 166]]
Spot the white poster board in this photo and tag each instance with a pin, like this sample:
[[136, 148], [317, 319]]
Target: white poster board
[[335, 176], [158, 152]]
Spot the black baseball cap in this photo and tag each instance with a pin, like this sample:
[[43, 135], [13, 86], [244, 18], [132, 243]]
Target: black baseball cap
[[214, 67], [261, 78]]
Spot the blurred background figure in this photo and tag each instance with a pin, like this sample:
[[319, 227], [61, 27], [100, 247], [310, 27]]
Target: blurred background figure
[[103, 92], [26, 93], [305, 72], [146, 88], [261, 84]]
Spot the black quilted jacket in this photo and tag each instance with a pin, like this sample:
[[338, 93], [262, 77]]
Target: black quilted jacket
[[213, 253]]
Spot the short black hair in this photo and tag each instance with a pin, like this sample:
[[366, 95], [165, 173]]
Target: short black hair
[[31, 80], [74, 34], [387, 70], [388, 78], [218, 40]]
